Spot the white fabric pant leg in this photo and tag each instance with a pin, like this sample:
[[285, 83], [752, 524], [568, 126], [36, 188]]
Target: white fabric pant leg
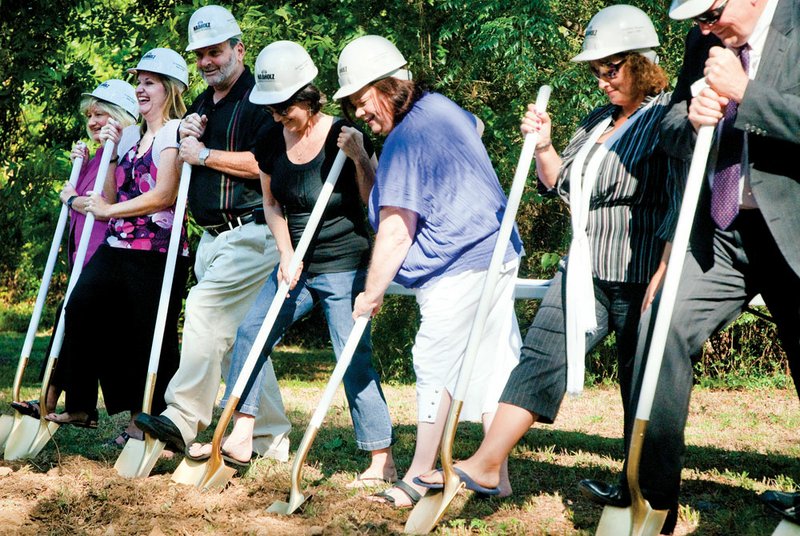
[[447, 311], [230, 268]]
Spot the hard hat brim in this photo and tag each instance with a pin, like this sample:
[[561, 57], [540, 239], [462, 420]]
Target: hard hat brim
[[346, 91], [689, 9], [183, 84], [276, 97], [207, 43]]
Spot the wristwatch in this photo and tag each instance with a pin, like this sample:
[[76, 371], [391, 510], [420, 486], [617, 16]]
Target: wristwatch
[[203, 155]]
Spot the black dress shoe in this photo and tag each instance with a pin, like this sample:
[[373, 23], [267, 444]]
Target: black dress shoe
[[599, 492], [163, 429], [786, 504]]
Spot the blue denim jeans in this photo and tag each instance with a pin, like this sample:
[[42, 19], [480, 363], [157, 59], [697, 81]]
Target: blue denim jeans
[[336, 292]]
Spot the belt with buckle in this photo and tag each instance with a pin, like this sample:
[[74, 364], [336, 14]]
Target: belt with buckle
[[231, 223]]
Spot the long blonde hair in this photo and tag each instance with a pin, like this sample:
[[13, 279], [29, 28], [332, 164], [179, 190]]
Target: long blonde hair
[[174, 107]]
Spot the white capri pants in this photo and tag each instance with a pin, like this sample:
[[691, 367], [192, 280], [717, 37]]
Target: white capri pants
[[447, 311]]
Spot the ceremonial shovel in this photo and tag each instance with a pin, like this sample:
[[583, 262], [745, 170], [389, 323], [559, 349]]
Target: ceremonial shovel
[[431, 507], [28, 435], [640, 519], [140, 455], [212, 473], [7, 421]]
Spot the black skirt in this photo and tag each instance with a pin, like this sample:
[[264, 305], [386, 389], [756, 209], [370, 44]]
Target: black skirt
[[110, 318]]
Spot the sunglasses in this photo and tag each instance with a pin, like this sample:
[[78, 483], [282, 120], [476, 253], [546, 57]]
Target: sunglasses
[[711, 16], [608, 70], [281, 109]]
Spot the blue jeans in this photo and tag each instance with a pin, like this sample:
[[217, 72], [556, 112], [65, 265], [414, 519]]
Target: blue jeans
[[336, 292]]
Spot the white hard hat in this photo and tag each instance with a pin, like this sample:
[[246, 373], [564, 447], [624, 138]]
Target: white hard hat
[[618, 28], [164, 61], [117, 92], [687, 9], [282, 69], [366, 59], [211, 25]]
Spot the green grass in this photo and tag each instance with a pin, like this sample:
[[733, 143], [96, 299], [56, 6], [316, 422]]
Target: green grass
[[740, 443]]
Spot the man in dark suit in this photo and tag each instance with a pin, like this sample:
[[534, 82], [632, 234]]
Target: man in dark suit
[[746, 235]]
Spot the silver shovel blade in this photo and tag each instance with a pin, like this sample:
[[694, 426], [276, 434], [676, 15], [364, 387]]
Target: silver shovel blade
[[6, 424], [620, 522], [28, 437], [787, 528], [139, 457]]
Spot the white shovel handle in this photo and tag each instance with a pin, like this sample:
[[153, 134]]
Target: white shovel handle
[[166, 283], [294, 264], [44, 286], [669, 293], [55, 245], [339, 371], [83, 247], [503, 236]]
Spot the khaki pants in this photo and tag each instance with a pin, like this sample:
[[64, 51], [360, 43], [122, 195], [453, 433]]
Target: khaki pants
[[231, 269]]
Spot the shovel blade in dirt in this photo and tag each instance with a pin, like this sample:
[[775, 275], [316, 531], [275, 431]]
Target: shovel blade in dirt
[[296, 500], [787, 528], [431, 507], [6, 425], [203, 474], [28, 437], [189, 472], [628, 522], [139, 457]]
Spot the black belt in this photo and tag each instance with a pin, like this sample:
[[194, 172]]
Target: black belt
[[233, 223]]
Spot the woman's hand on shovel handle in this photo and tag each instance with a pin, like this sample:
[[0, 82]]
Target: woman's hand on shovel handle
[[112, 130], [365, 304]]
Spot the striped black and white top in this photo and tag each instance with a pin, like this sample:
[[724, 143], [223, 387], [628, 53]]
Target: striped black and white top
[[629, 204]]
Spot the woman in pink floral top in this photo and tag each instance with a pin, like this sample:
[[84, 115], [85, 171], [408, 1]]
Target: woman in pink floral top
[[110, 316]]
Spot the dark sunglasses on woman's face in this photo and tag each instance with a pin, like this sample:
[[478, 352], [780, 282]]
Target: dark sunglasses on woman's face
[[711, 16], [608, 70], [281, 109]]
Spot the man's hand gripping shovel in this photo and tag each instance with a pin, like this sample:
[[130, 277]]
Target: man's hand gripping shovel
[[640, 519]]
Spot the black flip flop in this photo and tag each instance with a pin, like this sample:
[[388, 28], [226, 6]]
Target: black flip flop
[[412, 494], [29, 408]]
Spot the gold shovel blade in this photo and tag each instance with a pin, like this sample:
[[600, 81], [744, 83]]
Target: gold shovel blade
[[787, 528], [617, 521], [6, 425], [28, 437], [139, 457]]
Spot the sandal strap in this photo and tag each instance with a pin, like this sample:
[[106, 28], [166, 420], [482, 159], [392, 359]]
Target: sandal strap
[[413, 495]]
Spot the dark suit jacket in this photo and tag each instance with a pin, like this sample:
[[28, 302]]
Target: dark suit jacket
[[770, 114]]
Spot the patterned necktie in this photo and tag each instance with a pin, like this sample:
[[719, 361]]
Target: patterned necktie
[[725, 190]]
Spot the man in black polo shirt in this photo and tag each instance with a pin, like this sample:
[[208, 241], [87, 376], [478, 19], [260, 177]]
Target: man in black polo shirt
[[236, 252]]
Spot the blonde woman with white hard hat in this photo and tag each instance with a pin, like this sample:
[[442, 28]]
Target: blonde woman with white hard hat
[[112, 99], [435, 207], [615, 180], [118, 291]]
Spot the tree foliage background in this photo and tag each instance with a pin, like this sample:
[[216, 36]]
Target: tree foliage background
[[490, 56]]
